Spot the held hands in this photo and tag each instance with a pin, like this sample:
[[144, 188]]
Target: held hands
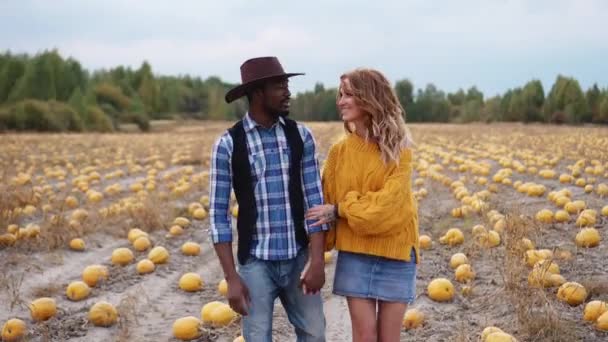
[[312, 277], [325, 213]]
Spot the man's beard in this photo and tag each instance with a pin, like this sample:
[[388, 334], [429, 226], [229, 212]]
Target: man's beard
[[277, 113]]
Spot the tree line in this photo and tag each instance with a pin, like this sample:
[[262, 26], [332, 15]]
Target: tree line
[[47, 92]]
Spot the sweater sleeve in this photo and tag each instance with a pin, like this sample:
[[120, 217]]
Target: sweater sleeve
[[328, 181], [384, 211]]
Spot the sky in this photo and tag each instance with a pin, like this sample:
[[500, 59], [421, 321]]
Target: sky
[[492, 44]]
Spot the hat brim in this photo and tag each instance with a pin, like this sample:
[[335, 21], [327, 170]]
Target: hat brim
[[240, 90]]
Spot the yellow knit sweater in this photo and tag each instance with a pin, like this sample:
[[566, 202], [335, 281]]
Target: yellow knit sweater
[[378, 212]]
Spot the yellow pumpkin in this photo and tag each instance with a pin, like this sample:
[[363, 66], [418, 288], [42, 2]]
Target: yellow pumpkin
[[71, 202], [7, 239], [191, 248], [204, 200], [77, 244], [190, 282], [547, 265], [93, 274], [492, 239], [412, 319], [14, 330], [193, 206], [594, 309], [145, 266], [500, 337], [122, 256], [13, 228], [425, 242], [327, 257], [206, 310], [176, 230], [588, 237], [572, 293], [527, 244], [452, 237], [222, 287], [141, 244], [458, 259], [222, 315], [103, 314], [43, 308], [478, 229], [187, 328], [77, 290], [135, 233], [440, 290], [464, 273], [562, 216], [556, 280], [489, 330], [544, 216], [199, 214], [158, 255], [602, 322], [534, 255], [181, 221]]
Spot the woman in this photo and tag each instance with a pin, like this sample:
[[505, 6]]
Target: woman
[[367, 185]]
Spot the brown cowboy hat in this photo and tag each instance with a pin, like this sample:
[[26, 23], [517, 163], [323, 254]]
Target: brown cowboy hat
[[255, 70]]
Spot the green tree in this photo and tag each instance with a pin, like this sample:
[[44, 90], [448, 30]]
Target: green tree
[[38, 81], [430, 104], [566, 100], [603, 110], [533, 97], [10, 73], [149, 93], [594, 99], [457, 98], [491, 110], [474, 94], [405, 92]]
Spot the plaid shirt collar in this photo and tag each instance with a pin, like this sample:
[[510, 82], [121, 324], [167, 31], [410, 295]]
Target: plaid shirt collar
[[249, 123]]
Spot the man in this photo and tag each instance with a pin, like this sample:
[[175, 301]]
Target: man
[[270, 162]]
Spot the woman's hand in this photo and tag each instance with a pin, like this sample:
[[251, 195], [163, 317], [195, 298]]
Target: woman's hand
[[325, 213]]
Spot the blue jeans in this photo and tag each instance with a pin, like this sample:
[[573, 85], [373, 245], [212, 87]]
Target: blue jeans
[[267, 280]]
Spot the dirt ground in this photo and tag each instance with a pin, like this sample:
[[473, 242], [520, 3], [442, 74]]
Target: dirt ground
[[149, 304]]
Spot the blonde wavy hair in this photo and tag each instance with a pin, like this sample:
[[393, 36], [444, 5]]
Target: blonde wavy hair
[[384, 115]]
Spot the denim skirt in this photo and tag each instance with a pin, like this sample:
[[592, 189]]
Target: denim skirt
[[374, 277]]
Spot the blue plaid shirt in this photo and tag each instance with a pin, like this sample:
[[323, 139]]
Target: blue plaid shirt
[[274, 238]]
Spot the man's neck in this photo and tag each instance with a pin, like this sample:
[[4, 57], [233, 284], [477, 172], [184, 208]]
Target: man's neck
[[262, 118]]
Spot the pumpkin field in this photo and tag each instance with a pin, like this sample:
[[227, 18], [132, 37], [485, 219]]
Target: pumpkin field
[[105, 237]]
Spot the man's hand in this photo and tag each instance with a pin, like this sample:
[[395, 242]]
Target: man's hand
[[238, 295], [312, 278], [325, 213]]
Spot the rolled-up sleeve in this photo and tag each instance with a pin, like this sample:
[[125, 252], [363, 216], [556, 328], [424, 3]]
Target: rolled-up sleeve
[[220, 185], [311, 178]]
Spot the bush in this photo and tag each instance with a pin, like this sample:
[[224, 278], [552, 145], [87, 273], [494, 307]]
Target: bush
[[106, 93], [66, 116], [100, 122], [35, 115]]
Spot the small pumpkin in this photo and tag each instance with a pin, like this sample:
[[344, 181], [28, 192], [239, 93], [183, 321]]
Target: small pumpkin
[[103, 314], [43, 308]]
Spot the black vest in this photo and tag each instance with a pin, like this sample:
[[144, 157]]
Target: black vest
[[242, 182]]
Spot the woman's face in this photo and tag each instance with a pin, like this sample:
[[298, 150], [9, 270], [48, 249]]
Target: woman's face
[[349, 111]]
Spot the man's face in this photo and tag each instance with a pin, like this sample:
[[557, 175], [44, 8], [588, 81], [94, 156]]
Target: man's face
[[276, 96]]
